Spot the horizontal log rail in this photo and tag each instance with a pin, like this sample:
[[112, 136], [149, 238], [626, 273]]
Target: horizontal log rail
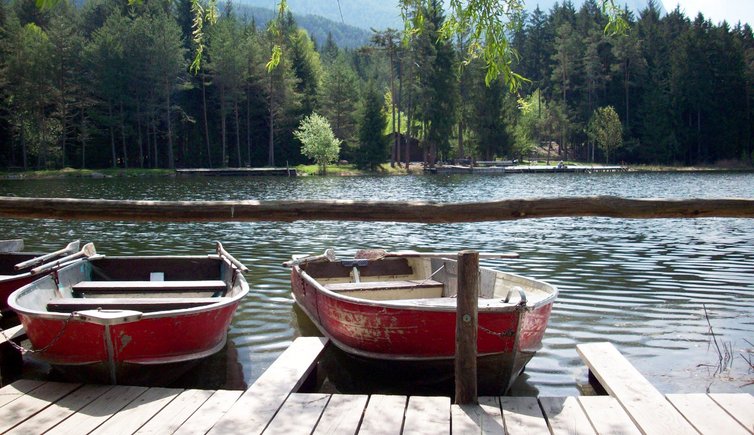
[[374, 211]]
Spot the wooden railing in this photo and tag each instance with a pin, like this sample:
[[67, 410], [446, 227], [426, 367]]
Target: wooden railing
[[378, 211]]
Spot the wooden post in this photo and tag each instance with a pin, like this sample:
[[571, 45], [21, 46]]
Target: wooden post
[[466, 327]]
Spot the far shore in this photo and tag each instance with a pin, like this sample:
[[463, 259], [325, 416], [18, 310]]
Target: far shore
[[339, 170]]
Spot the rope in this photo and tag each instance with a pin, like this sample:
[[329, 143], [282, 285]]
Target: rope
[[52, 342]]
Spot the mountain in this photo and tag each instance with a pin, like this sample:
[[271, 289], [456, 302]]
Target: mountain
[[381, 14], [344, 35]]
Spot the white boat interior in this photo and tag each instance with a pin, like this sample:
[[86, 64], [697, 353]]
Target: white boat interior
[[422, 278]]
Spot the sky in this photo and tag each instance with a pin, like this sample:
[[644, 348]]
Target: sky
[[716, 11]]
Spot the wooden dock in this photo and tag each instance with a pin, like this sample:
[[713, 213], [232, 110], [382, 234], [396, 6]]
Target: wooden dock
[[273, 405], [490, 168]]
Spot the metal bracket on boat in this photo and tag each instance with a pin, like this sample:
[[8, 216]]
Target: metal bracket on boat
[[108, 317], [521, 295], [355, 262]]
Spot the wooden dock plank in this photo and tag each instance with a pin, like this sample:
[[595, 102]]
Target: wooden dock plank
[[12, 333], [646, 406], [342, 415], [172, 416], [100, 410], [740, 406], [258, 404], [565, 416], [33, 402], [427, 415], [607, 415], [484, 418], [139, 411], [17, 389], [60, 410], [705, 415], [298, 415], [523, 415], [384, 415], [209, 412]]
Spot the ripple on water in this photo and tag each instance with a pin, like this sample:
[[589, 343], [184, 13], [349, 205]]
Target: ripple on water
[[641, 284]]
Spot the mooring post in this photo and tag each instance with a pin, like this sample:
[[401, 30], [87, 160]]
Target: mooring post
[[466, 327]]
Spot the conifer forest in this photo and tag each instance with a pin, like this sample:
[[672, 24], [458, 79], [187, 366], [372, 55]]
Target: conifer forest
[[108, 83]]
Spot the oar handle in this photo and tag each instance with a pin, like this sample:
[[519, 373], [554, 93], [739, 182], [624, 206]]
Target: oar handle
[[223, 253], [87, 251], [71, 247], [328, 255]]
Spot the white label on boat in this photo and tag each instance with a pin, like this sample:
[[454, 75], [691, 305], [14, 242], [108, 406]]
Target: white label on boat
[[157, 276]]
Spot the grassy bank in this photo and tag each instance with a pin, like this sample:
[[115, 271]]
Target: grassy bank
[[85, 173]]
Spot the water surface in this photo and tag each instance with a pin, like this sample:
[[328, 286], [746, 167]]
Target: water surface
[[648, 286]]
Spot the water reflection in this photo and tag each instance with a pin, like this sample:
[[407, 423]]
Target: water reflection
[[641, 284]]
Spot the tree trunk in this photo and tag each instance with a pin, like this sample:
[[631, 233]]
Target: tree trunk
[[238, 130], [140, 138], [223, 128], [171, 158], [248, 126], [123, 136], [271, 143], [206, 123], [112, 133]]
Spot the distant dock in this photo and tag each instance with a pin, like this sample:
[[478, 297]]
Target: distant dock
[[238, 172], [503, 168], [277, 403]]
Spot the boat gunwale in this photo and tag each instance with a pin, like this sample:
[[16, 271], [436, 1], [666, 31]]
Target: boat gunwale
[[220, 304], [397, 304]]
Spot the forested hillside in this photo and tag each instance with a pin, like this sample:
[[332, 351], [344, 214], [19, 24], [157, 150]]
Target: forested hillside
[[107, 84]]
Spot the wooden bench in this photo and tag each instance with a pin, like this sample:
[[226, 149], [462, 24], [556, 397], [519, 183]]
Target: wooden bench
[[215, 286], [69, 305], [383, 285], [646, 406]]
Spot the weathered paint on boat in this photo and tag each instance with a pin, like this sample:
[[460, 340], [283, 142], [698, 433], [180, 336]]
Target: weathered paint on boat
[[422, 330], [115, 345]]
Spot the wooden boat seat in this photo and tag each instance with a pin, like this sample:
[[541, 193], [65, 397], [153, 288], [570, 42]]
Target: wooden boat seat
[[215, 286], [68, 305], [384, 285]]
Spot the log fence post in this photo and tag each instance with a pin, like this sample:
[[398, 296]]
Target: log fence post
[[466, 328]]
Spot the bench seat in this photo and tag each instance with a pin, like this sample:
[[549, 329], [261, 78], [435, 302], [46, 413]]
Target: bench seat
[[383, 285], [100, 287], [68, 305]]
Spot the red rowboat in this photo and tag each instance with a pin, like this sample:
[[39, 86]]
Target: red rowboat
[[107, 318], [16, 266], [401, 307]]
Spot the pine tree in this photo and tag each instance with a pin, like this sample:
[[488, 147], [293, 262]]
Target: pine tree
[[373, 144]]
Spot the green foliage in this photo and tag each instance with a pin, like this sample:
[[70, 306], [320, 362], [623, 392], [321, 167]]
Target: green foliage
[[606, 129], [319, 142], [372, 150]]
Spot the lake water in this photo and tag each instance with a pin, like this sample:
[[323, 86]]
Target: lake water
[[641, 284]]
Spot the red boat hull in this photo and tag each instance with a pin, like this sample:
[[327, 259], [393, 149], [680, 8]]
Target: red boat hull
[[419, 338], [115, 345], [10, 284], [151, 341]]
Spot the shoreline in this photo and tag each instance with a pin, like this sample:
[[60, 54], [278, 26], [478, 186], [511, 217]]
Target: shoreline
[[335, 170]]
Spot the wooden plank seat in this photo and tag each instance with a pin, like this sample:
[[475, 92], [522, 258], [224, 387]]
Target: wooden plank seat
[[68, 305], [217, 286], [383, 285]]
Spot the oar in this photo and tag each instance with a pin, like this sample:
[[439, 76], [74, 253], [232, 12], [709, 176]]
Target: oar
[[376, 254], [223, 253], [328, 255], [71, 247], [87, 251]]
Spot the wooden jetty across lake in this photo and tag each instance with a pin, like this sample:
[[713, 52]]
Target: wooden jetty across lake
[[238, 172], [492, 168], [274, 404]]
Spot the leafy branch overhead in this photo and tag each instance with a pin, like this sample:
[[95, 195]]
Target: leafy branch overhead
[[487, 26]]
